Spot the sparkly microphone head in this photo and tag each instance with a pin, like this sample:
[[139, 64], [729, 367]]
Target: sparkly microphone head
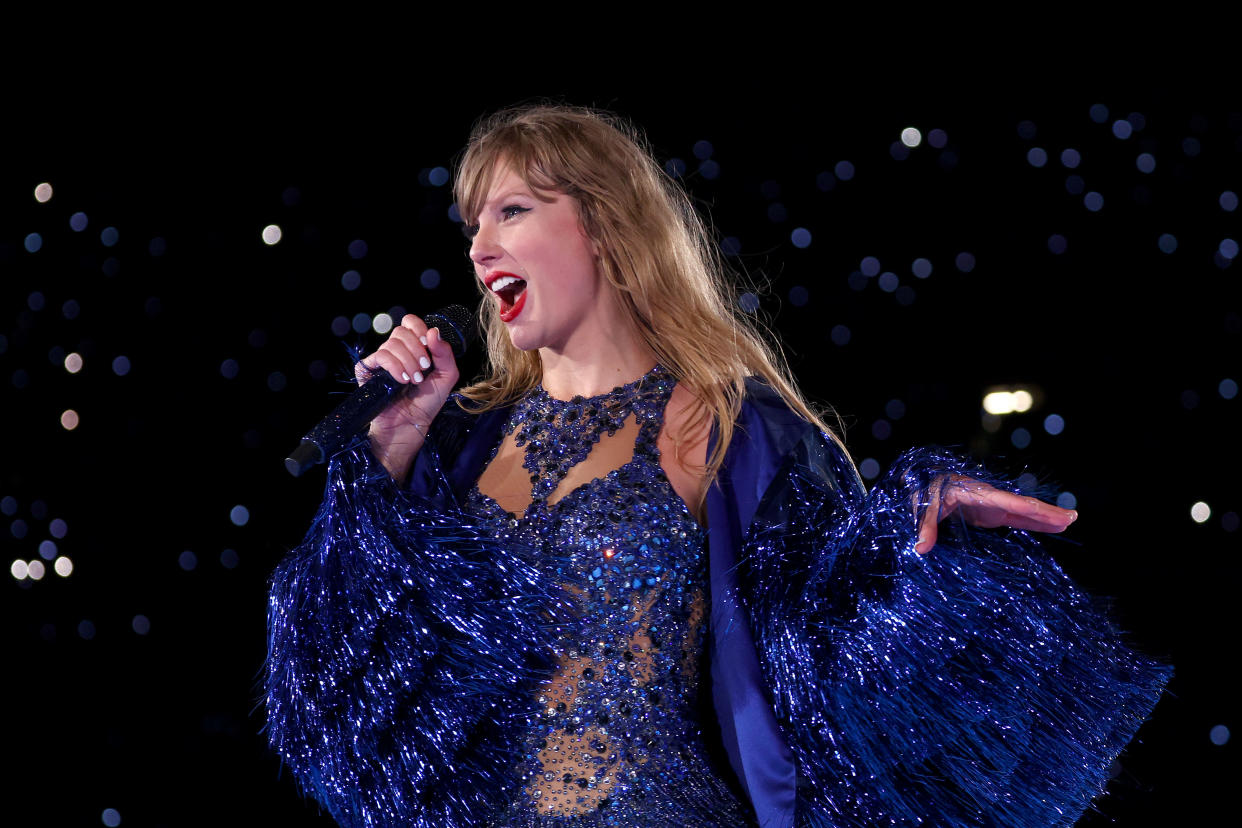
[[457, 327]]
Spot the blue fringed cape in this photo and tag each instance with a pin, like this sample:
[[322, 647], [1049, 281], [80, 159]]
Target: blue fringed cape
[[855, 682]]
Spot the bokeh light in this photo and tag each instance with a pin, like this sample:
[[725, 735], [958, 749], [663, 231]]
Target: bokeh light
[[63, 566], [271, 234], [382, 323], [73, 362], [43, 193], [351, 279], [69, 419], [911, 137], [239, 515], [1200, 512]]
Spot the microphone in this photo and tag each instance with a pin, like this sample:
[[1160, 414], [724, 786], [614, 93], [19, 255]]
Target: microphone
[[364, 404]]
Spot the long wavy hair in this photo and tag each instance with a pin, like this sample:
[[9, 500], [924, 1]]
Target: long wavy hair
[[655, 253]]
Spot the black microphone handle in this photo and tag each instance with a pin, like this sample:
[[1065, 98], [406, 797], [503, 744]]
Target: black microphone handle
[[365, 402]]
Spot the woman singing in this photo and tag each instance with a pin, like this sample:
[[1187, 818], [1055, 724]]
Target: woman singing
[[629, 578]]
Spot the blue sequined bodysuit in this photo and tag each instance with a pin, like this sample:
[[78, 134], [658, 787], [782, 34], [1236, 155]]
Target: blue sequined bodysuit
[[613, 737]]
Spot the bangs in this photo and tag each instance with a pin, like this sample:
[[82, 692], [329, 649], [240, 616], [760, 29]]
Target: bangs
[[487, 158]]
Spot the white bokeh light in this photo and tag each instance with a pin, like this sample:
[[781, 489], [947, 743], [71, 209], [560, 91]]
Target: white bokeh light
[[911, 137], [43, 193], [63, 567], [271, 234], [1200, 512]]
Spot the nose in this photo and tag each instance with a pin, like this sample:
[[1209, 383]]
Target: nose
[[484, 248]]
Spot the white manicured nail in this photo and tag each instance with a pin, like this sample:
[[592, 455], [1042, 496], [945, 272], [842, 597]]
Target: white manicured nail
[[405, 376], [424, 362], [418, 377], [423, 339]]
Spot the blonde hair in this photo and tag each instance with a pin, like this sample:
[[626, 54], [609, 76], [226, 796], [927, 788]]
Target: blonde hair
[[656, 254]]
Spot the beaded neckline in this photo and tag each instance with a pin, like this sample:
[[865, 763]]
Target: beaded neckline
[[559, 434]]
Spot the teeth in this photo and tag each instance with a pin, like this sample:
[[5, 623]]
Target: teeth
[[502, 283]]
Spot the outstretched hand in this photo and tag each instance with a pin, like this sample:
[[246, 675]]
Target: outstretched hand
[[986, 506]]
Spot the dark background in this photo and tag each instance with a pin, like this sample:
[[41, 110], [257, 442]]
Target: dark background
[[132, 683]]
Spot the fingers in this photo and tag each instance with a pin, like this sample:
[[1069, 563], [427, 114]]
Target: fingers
[[928, 526], [403, 355]]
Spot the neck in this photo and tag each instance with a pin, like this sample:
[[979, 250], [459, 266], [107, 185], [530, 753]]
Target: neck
[[596, 369]]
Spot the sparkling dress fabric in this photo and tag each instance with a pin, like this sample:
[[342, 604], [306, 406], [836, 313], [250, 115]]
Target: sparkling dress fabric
[[421, 642]]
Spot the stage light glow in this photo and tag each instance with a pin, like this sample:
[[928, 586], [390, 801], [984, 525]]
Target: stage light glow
[[63, 566], [1200, 512], [965, 262], [1093, 201], [239, 515], [899, 151], [888, 281], [33, 242], [911, 137], [1021, 438], [1057, 244], [840, 335], [870, 266], [1074, 185], [1067, 500], [1036, 157], [18, 528], [675, 167], [43, 193], [429, 279], [228, 558], [1122, 128], [109, 236], [798, 296], [801, 237], [1219, 735], [18, 569], [361, 322], [937, 138], [57, 528], [1227, 388], [271, 234], [350, 279], [869, 468], [187, 560], [438, 176], [8, 505], [340, 326], [1146, 162], [1099, 113], [748, 302], [921, 268], [1026, 130], [86, 629], [1070, 158], [140, 624], [73, 362], [844, 170], [895, 409], [1167, 243], [110, 817], [35, 570], [1008, 402], [69, 419], [78, 222], [1054, 424], [881, 429], [703, 150], [1228, 248], [382, 323], [709, 169], [276, 381], [358, 249], [47, 549], [777, 212], [1228, 201]]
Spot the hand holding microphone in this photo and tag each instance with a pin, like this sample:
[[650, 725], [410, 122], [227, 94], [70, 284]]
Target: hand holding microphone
[[402, 386]]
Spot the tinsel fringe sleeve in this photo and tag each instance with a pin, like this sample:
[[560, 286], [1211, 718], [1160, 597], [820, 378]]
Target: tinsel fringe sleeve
[[402, 643], [976, 685]]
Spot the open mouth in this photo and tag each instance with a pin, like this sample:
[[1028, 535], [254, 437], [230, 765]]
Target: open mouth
[[510, 290]]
